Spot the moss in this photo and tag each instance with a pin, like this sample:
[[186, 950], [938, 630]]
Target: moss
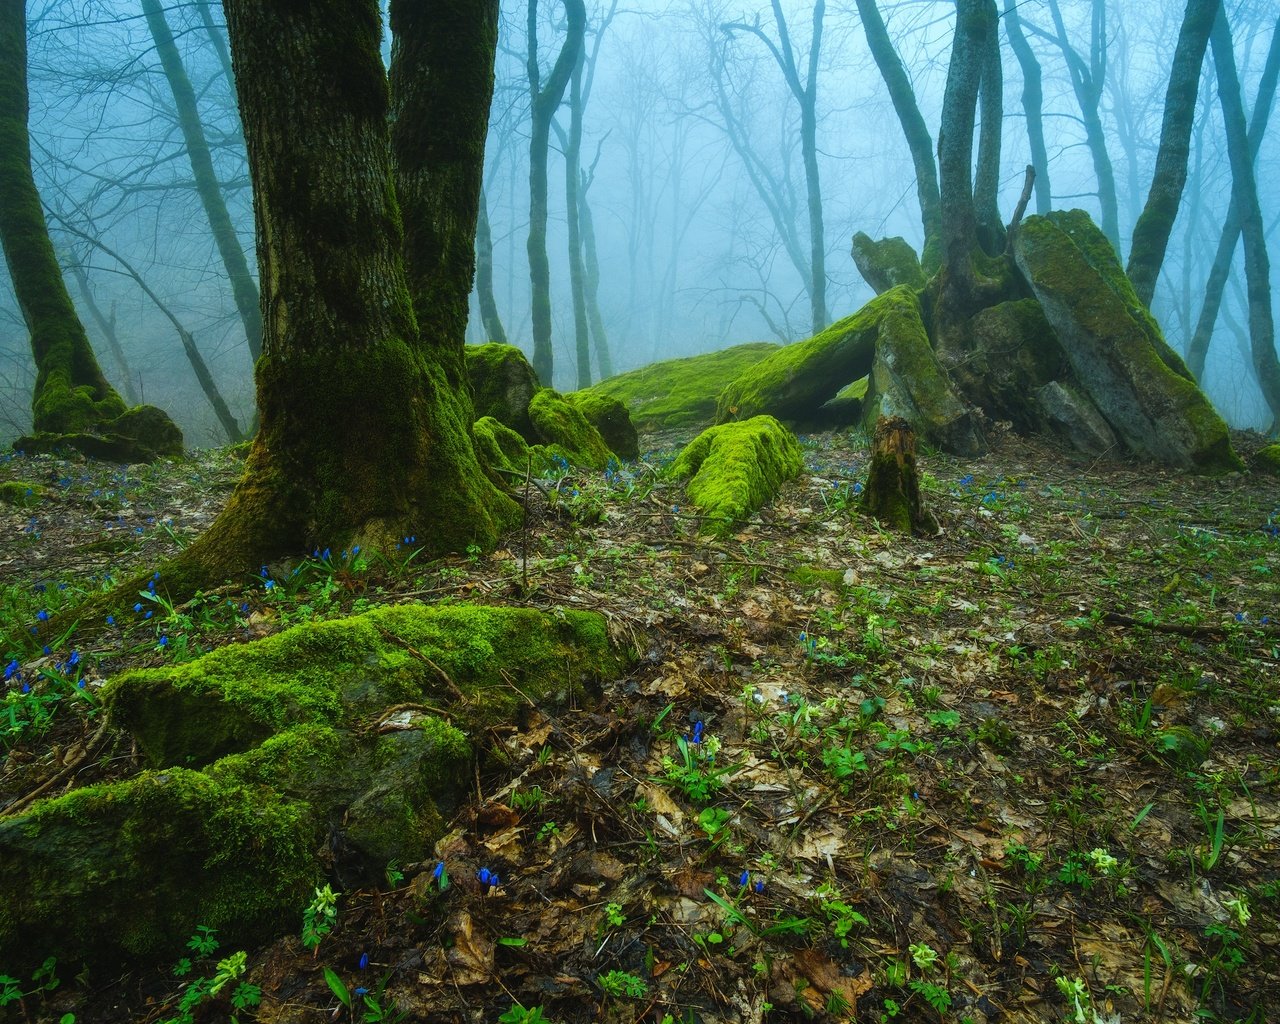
[[610, 417], [1015, 352], [680, 392], [340, 672], [1152, 406], [502, 385], [499, 448], [20, 493], [141, 434], [794, 382], [734, 468], [892, 495], [558, 422], [887, 263], [126, 871], [1267, 460]]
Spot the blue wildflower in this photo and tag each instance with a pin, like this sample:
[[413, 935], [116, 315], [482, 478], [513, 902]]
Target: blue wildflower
[[361, 991], [485, 876], [138, 607], [364, 961], [42, 615], [74, 659], [47, 651], [11, 670], [438, 871], [759, 886], [111, 620], [744, 879], [697, 732], [164, 641]]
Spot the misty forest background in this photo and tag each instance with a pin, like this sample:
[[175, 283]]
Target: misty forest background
[[695, 230]]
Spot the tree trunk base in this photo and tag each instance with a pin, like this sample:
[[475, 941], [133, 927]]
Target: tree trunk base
[[892, 494]]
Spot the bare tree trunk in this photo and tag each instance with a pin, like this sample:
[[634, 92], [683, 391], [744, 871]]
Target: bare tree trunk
[[1198, 349], [913, 125], [572, 143], [986, 188], [544, 99], [1244, 195], [493, 328], [1032, 104], [1151, 233], [591, 281], [107, 325], [243, 287]]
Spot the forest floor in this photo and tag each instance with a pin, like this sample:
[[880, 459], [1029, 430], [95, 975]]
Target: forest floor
[[1025, 770]]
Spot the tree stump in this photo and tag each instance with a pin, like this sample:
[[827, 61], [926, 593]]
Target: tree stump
[[892, 494]]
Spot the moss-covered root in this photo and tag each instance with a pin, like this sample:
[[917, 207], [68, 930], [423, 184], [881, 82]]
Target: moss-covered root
[[680, 392], [610, 417], [141, 434], [735, 468], [557, 422], [892, 494]]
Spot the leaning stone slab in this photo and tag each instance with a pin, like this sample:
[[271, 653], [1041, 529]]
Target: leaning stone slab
[[887, 263], [1115, 348]]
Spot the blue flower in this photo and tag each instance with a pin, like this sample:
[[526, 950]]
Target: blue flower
[[438, 871], [138, 607], [47, 651], [74, 659], [326, 555], [361, 991], [364, 961], [1240, 616], [269, 584], [697, 732], [42, 615], [857, 488], [11, 670], [759, 886], [485, 876], [744, 879], [111, 620], [149, 614], [164, 641], [26, 687]]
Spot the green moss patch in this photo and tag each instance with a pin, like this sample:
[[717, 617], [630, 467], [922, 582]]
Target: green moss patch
[[1267, 460], [502, 385], [20, 493], [887, 263], [141, 434], [610, 417], [733, 469], [557, 422], [680, 392]]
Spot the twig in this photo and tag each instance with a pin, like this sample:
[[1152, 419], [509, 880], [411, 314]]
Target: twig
[[1116, 619], [27, 798], [449, 683], [1021, 208]]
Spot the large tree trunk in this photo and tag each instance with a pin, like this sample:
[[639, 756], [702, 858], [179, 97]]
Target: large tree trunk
[[572, 142], [591, 282], [107, 325], [71, 394], [1198, 349], [807, 97], [1244, 197], [1032, 104], [363, 439], [208, 188], [986, 186], [544, 99], [493, 328], [913, 124], [1151, 233]]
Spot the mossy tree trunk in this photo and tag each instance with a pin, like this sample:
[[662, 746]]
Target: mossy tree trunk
[[913, 124], [1155, 225], [243, 287], [71, 394], [107, 325], [1198, 349], [591, 282], [1244, 199], [986, 186], [1032, 103], [363, 438], [493, 329], [572, 142], [544, 99]]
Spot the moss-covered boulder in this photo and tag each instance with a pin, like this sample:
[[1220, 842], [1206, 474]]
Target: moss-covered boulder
[[502, 452], [1115, 348], [1073, 417], [558, 423], [1267, 460], [610, 417], [680, 392], [332, 746], [20, 493], [502, 385], [141, 434], [733, 469], [908, 382], [1014, 351], [795, 382], [887, 263]]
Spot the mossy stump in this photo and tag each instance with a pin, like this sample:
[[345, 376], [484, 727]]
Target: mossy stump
[[892, 495]]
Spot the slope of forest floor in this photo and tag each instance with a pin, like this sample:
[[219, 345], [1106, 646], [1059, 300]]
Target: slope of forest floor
[[1025, 770]]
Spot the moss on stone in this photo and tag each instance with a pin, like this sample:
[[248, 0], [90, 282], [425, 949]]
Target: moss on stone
[[795, 381], [680, 392], [887, 263], [1267, 460], [20, 493], [557, 422], [141, 434], [1107, 338], [501, 449], [610, 417], [502, 385], [733, 469], [1015, 352]]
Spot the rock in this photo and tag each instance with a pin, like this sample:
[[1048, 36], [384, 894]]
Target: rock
[[20, 493], [887, 263], [336, 745], [733, 469], [609, 416], [679, 392], [1267, 460], [559, 425], [502, 452], [141, 434], [1014, 352], [1071, 415], [1114, 346], [502, 385]]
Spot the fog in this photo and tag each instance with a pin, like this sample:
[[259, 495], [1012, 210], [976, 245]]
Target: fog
[[691, 257]]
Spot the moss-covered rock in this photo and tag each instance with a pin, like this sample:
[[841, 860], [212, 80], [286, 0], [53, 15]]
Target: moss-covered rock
[[734, 468], [502, 385], [680, 392], [887, 263], [502, 451], [907, 381], [20, 493], [610, 417], [1014, 352], [141, 434], [1267, 460], [1114, 347], [558, 423], [1074, 418], [794, 382]]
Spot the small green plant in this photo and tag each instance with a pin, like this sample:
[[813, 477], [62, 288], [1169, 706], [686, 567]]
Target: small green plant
[[527, 799], [622, 985], [613, 915], [227, 970], [521, 1015], [712, 820], [319, 918], [696, 773], [840, 915], [371, 1010]]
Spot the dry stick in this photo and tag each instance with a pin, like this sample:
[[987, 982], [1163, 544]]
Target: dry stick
[[453, 689], [1021, 208], [524, 525], [22, 801], [1116, 619]]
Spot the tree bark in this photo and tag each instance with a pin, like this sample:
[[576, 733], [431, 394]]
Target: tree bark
[[912, 121], [1032, 104], [107, 325], [986, 187], [544, 99], [1151, 233], [1244, 196], [71, 394], [493, 328], [243, 288], [892, 494], [591, 282], [572, 142], [362, 437], [1198, 349]]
